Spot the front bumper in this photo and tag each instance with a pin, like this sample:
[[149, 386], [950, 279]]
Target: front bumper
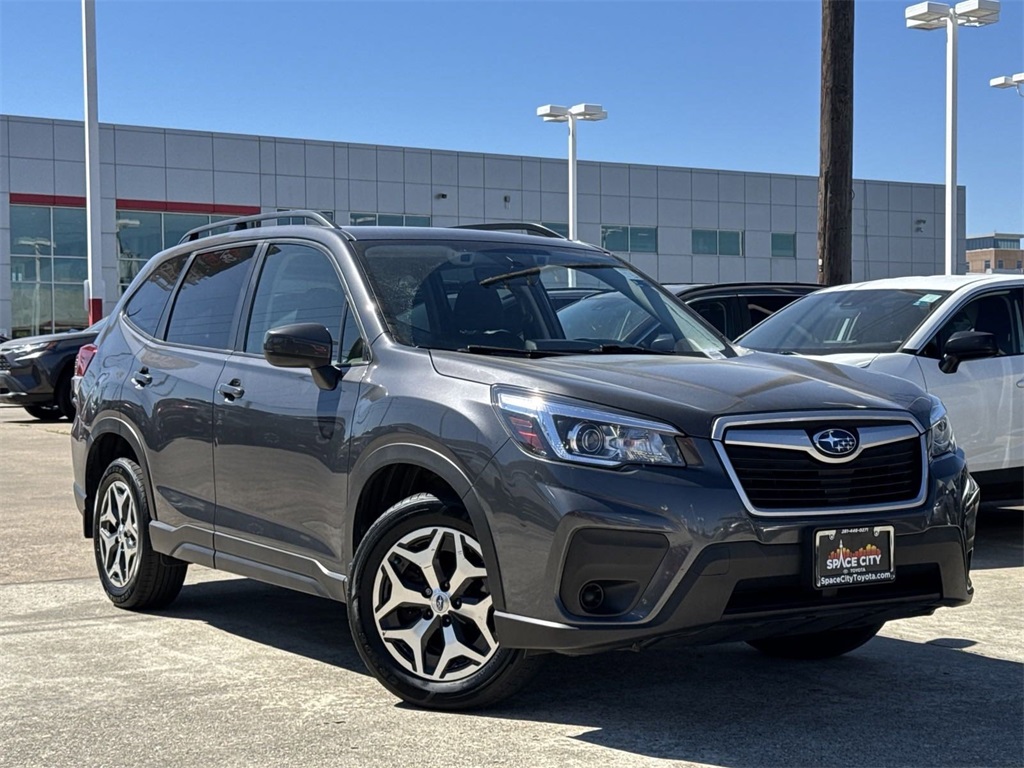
[[24, 384], [689, 561]]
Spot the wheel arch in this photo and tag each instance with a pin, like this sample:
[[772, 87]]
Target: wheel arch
[[396, 471], [112, 439]]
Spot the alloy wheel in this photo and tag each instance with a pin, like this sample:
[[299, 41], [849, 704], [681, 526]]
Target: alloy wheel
[[119, 534], [431, 605]]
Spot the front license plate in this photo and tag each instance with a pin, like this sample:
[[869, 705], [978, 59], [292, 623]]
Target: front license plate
[[850, 557]]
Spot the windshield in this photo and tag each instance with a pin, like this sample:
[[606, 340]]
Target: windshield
[[497, 298], [872, 321]]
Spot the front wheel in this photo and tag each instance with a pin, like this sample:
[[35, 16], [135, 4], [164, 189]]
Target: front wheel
[[132, 574], [421, 613], [43, 412], [818, 645]]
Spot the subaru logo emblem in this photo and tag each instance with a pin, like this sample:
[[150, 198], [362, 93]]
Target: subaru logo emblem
[[835, 442]]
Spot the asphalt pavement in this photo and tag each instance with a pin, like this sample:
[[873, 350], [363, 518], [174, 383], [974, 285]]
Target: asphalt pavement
[[238, 673]]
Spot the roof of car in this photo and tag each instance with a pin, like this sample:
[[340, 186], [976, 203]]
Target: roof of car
[[681, 288], [929, 282]]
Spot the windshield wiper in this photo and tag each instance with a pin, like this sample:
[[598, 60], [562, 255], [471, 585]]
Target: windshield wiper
[[624, 349], [484, 349]]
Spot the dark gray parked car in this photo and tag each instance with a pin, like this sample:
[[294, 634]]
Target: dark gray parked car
[[36, 372], [395, 418]]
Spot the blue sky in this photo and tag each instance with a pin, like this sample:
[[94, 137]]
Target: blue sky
[[712, 84]]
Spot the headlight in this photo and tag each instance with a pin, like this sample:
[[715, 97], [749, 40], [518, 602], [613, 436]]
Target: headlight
[[940, 435], [560, 429], [26, 350]]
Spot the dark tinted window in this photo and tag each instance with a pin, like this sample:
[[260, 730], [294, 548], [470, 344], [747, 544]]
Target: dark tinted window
[[204, 310], [715, 311], [146, 305], [298, 284], [759, 307]]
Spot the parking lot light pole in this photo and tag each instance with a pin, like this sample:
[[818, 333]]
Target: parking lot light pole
[[555, 114], [95, 288], [969, 13], [1009, 81]]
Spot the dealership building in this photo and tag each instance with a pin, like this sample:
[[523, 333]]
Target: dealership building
[[676, 224]]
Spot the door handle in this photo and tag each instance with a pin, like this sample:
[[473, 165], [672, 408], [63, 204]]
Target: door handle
[[141, 378], [232, 390], [1021, 383]]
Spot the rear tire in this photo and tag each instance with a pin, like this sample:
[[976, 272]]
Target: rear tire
[[818, 645], [132, 574], [420, 610], [43, 412]]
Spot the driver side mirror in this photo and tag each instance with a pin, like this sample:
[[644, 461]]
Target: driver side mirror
[[967, 345], [302, 345]]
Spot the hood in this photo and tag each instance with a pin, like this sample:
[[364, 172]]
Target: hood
[[691, 393], [83, 336]]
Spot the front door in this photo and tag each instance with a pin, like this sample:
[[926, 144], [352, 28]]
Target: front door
[[282, 443]]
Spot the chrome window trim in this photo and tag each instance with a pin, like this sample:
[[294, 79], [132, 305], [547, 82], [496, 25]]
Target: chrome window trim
[[879, 436]]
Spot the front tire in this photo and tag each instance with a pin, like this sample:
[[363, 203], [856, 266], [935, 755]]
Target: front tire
[[818, 645], [62, 396], [43, 412], [420, 610], [132, 574]]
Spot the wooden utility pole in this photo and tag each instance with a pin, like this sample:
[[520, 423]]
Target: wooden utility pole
[[835, 175]]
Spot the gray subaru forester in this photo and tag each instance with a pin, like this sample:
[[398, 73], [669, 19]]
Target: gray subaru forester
[[398, 419]]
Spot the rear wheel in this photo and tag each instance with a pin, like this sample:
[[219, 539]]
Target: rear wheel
[[132, 574], [818, 645], [421, 613], [43, 412]]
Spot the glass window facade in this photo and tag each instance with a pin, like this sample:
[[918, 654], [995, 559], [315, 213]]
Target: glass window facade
[[784, 245], [717, 242], [48, 266], [388, 220], [629, 239]]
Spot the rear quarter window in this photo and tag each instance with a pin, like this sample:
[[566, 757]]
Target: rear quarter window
[[146, 306]]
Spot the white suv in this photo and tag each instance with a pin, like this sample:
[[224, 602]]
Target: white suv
[[961, 337]]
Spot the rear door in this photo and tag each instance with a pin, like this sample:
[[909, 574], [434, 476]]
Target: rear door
[[173, 380], [282, 443]]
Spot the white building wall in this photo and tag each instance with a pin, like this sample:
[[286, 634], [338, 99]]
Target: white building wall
[[897, 227]]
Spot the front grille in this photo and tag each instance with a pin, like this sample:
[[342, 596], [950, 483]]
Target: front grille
[[789, 463], [775, 478], [4, 365]]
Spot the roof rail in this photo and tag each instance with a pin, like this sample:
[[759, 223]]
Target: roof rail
[[250, 222], [514, 226]]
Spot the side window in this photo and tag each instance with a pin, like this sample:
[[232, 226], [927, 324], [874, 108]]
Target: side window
[[298, 284], [715, 311], [146, 305], [995, 313], [204, 310], [759, 307]]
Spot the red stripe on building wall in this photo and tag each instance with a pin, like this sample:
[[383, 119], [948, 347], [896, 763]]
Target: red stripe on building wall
[[65, 201], [169, 206]]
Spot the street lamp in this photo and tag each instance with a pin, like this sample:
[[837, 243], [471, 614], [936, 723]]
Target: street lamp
[[1011, 81], [555, 114], [969, 13]]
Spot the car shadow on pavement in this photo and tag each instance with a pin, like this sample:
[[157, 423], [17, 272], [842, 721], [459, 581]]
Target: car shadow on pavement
[[892, 703], [999, 541], [309, 626]]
